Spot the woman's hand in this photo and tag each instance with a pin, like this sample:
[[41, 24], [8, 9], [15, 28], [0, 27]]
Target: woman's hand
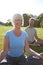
[[41, 55]]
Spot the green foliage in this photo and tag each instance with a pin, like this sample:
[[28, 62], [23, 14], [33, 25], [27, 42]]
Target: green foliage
[[25, 16], [38, 22], [26, 19], [41, 24]]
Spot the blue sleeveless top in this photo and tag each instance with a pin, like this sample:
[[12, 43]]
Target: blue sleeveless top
[[16, 44]]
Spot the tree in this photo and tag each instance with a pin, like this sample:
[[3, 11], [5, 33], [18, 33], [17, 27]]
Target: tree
[[8, 23], [41, 24], [40, 19], [26, 18]]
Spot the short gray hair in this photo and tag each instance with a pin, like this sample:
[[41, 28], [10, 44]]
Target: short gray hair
[[17, 16]]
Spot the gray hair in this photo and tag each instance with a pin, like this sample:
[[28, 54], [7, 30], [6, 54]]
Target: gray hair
[[17, 16]]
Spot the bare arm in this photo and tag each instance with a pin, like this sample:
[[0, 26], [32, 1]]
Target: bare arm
[[29, 50], [5, 49], [36, 37]]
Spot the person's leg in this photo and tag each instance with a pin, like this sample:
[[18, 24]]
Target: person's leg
[[23, 60], [36, 43], [40, 42], [9, 60], [12, 60], [33, 60], [4, 63]]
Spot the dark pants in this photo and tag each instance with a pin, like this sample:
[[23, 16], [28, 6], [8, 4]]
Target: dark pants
[[17, 60], [34, 60], [22, 60]]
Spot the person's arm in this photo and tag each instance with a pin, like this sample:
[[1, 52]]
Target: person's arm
[[5, 49], [36, 36], [29, 50], [39, 41]]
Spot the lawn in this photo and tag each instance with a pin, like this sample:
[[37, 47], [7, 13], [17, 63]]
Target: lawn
[[3, 30]]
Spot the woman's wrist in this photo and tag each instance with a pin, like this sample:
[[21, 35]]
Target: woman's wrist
[[38, 55]]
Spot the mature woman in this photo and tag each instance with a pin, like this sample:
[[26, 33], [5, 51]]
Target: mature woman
[[15, 42]]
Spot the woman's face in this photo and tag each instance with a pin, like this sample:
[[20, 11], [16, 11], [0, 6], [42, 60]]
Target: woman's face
[[18, 22]]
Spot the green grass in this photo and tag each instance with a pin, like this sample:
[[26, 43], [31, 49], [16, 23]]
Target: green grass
[[40, 32], [3, 30]]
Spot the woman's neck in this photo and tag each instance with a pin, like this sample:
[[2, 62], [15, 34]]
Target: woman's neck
[[17, 32], [17, 29]]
